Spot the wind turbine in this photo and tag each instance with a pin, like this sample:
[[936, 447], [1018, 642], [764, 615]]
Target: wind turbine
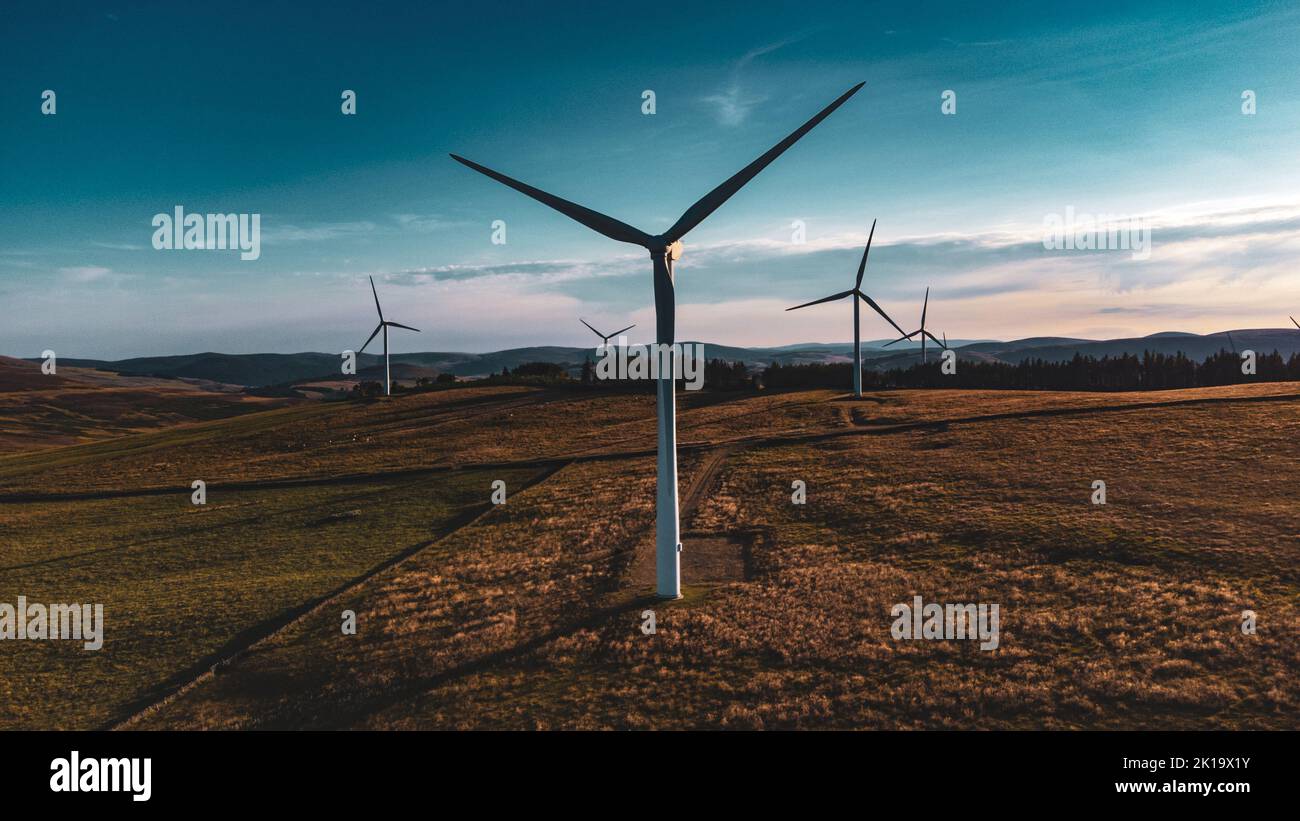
[[922, 331], [1297, 324], [856, 290], [604, 338], [665, 249], [383, 326]]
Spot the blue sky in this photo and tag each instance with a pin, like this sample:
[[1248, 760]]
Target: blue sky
[[1110, 110]]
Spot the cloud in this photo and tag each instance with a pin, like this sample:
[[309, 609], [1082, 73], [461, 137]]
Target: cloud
[[972, 43], [315, 233], [86, 273], [535, 274], [428, 223], [1214, 265], [118, 246], [732, 104], [1234, 245]]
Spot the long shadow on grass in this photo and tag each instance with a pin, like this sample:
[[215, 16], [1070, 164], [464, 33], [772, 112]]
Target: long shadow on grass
[[393, 695], [242, 641]]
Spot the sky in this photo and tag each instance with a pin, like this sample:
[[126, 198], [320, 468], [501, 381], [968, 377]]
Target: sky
[[1107, 109]]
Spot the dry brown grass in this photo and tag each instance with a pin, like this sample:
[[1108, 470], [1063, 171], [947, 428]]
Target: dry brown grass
[[1125, 615]]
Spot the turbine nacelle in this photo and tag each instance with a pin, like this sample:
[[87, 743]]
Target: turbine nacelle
[[661, 246]]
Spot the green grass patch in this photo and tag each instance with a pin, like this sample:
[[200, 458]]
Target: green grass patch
[[181, 583]]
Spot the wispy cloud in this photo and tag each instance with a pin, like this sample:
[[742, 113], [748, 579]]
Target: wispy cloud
[[118, 246], [535, 273], [86, 273], [732, 104], [428, 223], [1213, 266], [315, 233], [1238, 235], [973, 43]]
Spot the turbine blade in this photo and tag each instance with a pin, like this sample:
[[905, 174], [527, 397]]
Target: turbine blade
[[400, 325], [628, 328], [862, 266], [378, 328], [593, 330], [1293, 322], [943, 345], [594, 220], [711, 201], [879, 310], [830, 298], [901, 338], [376, 293], [925, 306]]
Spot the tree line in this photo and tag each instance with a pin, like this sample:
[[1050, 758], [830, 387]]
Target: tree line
[[1126, 372]]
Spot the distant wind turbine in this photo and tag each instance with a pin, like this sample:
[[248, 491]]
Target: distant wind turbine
[[604, 338], [383, 326], [922, 331], [665, 249], [856, 290]]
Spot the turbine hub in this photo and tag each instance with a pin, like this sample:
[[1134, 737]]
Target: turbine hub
[[671, 251]]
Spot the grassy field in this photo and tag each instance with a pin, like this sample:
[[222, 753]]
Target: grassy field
[[183, 585], [1123, 615]]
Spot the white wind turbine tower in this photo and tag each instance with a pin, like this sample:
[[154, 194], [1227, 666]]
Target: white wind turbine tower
[[665, 249], [856, 293], [383, 326]]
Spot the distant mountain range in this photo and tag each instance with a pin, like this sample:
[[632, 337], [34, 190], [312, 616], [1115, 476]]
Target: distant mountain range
[[259, 370]]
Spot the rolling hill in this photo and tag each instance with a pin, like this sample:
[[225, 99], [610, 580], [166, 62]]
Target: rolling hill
[[260, 370], [76, 405]]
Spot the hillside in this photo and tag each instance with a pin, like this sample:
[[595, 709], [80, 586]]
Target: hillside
[[257, 370], [78, 404], [1194, 346]]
